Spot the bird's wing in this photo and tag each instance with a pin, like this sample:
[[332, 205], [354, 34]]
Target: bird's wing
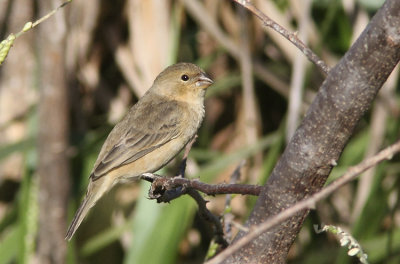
[[138, 135]]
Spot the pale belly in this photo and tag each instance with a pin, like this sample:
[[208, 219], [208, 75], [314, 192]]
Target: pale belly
[[152, 161]]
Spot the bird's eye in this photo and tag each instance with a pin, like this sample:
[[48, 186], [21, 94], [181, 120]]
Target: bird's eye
[[184, 77]]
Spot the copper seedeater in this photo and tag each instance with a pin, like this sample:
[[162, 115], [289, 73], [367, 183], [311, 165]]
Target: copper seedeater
[[153, 132]]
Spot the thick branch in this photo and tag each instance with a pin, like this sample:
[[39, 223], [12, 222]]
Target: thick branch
[[310, 202], [344, 97]]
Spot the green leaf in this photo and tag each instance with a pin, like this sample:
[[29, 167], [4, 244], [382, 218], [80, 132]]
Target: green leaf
[[104, 239], [157, 229], [22, 145], [28, 218], [9, 245]]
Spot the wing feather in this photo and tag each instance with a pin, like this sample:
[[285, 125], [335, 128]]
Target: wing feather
[[137, 135]]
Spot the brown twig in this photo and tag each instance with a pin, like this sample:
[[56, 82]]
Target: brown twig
[[165, 190], [207, 215], [308, 203], [161, 184], [292, 37]]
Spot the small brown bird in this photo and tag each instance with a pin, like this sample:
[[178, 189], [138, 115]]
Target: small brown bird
[[153, 132]]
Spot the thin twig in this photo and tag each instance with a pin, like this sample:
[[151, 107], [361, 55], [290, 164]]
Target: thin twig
[[162, 184], [6, 44], [165, 191], [45, 17], [208, 216], [268, 22], [308, 203]]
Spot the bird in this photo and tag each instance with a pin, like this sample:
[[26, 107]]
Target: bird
[[150, 135]]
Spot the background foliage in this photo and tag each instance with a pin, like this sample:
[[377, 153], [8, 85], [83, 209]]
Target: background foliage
[[114, 50]]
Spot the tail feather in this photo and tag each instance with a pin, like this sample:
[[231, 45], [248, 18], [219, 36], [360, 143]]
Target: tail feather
[[96, 189], [86, 204]]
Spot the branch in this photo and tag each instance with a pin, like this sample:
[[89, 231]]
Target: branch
[[165, 190], [308, 203], [344, 97], [162, 188], [207, 215], [292, 37]]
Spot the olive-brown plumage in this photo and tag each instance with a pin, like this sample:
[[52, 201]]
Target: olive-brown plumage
[[153, 132]]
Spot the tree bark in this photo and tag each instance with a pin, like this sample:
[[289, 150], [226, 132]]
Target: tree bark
[[53, 137], [344, 97]]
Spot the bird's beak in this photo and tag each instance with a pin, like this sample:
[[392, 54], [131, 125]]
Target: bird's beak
[[204, 81]]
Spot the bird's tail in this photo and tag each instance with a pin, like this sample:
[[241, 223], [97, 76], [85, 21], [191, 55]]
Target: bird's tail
[[86, 204], [95, 191]]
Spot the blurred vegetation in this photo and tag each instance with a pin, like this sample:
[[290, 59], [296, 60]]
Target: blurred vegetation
[[114, 49]]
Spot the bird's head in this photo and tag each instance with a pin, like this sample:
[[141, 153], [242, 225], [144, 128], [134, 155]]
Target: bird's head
[[182, 81]]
